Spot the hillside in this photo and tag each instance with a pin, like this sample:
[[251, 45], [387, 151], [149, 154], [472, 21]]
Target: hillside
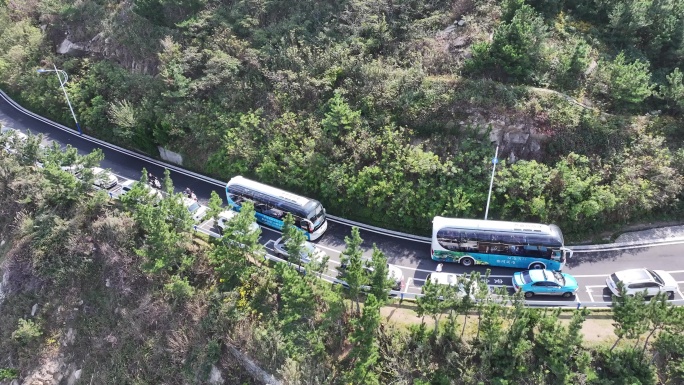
[[384, 110], [102, 291]]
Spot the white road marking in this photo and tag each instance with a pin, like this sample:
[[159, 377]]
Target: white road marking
[[605, 275], [408, 284], [591, 297], [680, 292], [590, 275], [328, 248], [630, 247]]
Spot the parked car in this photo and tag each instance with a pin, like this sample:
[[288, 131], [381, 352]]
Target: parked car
[[545, 282], [15, 136], [197, 210], [450, 279], [154, 194], [643, 280], [394, 273], [103, 178], [309, 252], [226, 216], [73, 169]]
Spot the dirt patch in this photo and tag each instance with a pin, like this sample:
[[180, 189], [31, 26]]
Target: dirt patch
[[597, 328]]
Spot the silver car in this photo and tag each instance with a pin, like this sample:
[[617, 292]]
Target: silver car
[[309, 252], [643, 280], [103, 178], [197, 210]]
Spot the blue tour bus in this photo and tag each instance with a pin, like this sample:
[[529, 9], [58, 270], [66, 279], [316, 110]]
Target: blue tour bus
[[272, 204], [498, 243]]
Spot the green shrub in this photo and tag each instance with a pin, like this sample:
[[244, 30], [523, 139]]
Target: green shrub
[[27, 331], [179, 289], [8, 374]]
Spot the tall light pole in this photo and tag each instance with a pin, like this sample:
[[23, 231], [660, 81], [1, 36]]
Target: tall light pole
[[495, 160], [61, 73]]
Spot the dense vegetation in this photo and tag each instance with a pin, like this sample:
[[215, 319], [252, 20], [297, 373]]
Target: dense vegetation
[[126, 292], [367, 105]]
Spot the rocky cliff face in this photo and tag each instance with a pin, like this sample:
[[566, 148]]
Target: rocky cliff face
[[104, 47]]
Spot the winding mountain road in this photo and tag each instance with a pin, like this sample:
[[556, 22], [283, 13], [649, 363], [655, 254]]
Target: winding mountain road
[[589, 266]]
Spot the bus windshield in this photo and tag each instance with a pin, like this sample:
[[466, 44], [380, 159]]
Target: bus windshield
[[316, 213]]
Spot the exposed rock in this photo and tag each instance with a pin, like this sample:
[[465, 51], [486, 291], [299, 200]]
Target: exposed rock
[[170, 156], [252, 368], [75, 376], [516, 137], [69, 338], [2, 286], [33, 310], [461, 23], [69, 48], [511, 157], [592, 66], [48, 373], [215, 376], [459, 42]]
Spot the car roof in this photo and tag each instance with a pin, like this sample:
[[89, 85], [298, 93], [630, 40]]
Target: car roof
[[188, 201], [540, 275], [634, 275], [444, 278], [227, 214]]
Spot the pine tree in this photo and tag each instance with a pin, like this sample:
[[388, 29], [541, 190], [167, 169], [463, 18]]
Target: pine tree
[[230, 256], [353, 273], [293, 239], [380, 284], [365, 351]]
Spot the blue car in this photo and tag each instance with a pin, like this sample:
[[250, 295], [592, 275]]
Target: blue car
[[545, 282]]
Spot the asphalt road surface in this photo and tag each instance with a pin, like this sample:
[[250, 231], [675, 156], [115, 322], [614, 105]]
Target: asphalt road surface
[[590, 268]]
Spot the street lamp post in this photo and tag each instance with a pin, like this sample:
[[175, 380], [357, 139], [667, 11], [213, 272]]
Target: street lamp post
[[495, 160], [61, 73]]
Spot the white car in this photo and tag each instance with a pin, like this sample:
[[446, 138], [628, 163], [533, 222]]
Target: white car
[[11, 142], [103, 178], [197, 210], [450, 279], [309, 252], [155, 194], [226, 216], [640, 280], [394, 273]]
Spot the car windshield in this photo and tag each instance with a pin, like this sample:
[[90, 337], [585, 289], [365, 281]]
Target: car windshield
[[656, 277], [193, 207], [559, 278], [526, 277]]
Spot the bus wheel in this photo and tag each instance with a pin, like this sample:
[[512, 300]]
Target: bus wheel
[[467, 261], [537, 266], [567, 295], [529, 294]]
